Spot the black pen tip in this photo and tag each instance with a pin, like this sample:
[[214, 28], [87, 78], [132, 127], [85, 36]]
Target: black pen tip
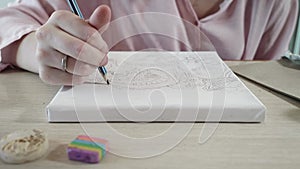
[[107, 81]]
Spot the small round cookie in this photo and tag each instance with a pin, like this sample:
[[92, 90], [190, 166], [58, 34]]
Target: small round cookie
[[23, 146]]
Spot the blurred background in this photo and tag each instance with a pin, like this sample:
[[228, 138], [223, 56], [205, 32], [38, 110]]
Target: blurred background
[[294, 45], [3, 3]]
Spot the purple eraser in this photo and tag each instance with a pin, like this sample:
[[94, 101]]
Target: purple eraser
[[83, 155]]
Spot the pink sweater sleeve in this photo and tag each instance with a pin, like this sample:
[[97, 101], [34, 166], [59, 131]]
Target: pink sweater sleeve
[[279, 30], [19, 19]]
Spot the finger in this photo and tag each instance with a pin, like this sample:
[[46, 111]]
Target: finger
[[104, 61], [73, 25], [69, 45], [53, 58], [100, 18], [55, 76]]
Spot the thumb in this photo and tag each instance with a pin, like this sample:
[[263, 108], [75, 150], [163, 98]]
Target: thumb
[[100, 18]]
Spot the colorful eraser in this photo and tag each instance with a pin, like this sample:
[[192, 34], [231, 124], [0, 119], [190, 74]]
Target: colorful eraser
[[87, 149]]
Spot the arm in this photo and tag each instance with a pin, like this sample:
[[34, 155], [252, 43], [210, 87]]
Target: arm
[[17, 21]]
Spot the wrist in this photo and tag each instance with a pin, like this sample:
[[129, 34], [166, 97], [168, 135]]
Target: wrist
[[25, 56]]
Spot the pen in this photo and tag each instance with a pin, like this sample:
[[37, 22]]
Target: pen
[[76, 10]]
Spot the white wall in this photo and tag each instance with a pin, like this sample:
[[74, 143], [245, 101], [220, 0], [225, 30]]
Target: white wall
[[3, 3]]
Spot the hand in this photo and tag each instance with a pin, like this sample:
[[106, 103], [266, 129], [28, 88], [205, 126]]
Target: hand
[[65, 34]]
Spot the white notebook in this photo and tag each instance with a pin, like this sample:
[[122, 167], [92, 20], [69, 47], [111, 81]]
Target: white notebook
[[159, 87]]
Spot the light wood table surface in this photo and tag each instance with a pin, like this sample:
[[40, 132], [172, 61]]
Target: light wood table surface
[[274, 143]]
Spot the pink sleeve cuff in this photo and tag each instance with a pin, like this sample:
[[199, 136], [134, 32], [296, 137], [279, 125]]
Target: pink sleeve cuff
[[3, 66]]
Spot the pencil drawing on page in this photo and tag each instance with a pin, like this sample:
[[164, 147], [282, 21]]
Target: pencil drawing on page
[[163, 69]]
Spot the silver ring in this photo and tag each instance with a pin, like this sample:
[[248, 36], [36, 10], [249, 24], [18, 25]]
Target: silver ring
[[64, 63]]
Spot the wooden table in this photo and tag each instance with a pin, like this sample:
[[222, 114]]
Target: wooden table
[[272, 144]]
